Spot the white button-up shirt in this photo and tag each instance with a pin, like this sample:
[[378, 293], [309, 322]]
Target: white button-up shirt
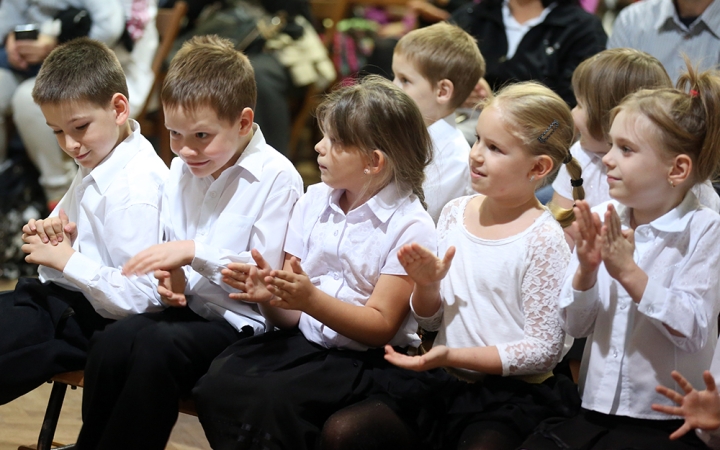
[[629, 350], [344, 255], [448, 175], [116, 208], [248, 206]]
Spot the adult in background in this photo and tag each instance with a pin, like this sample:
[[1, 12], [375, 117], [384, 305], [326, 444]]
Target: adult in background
[[668, 29]]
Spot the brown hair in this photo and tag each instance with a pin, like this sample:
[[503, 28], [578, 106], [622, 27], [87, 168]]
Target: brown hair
[[543, 122], [443, 51], [687, 118], [374, 114], [603, 80], [80, 70], [208, 71]]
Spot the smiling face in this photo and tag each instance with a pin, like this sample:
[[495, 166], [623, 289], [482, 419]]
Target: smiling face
[[587, 141], [207, 144], [499, 163], [638, 168], [85, 131], [417, 87]]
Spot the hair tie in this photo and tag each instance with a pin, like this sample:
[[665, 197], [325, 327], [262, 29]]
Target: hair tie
[[548, 132], [568, 158], [693, 93], [576, 183]]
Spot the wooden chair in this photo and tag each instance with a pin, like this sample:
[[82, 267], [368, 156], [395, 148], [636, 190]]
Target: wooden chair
[[52, 413], [152, 121], [328, 13]]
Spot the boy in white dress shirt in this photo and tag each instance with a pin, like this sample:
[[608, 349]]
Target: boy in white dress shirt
[[228, 192], [438, 67], [110, 212]]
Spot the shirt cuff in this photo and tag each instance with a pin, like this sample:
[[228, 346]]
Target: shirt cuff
[[202, 262], [652, 303], [580, 299], [431, 323], [79, 267]]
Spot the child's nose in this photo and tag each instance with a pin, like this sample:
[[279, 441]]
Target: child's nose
[[70, 143]]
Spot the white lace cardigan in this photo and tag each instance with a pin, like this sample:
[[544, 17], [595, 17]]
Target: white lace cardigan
[[502, 292]]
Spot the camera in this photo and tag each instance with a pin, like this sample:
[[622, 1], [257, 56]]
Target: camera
[[26, 32]]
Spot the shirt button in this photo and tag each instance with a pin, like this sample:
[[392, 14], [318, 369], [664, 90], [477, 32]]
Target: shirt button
[[614, 352], [336, 276], [212, 194], [335, 233], [623, 306], [650, 309]]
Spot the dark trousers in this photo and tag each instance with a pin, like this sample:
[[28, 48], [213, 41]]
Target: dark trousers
[[45, 329], [137, 371], [276, 391], [592, 430]]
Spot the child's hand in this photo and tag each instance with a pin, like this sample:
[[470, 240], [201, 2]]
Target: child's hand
[[436, 357], [618, 245], [52, 229], [171, 287], [44, 254], [167, 256], [701, 409], [292, 290], [587, 236], [249, 279], [422, 265]]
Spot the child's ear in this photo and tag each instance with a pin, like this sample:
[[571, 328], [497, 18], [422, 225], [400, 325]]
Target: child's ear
[[246, 121], [542, 167], [121, 107], [376, 164], [445, 90], [680, 170]]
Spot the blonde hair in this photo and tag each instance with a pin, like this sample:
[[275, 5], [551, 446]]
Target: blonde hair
[[81, 70], [687, 118], [603, 80], [542, 121], [208, 71], [443, 51], [374, 114]]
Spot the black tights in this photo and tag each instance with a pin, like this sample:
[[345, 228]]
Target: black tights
[[368, 425], [372, 425]]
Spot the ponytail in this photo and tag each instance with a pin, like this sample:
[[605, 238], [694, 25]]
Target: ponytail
[[567, 216]]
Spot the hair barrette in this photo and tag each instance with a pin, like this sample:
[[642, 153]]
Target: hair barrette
[[576, 183], [693, 93], [568, 158], [548, 132]]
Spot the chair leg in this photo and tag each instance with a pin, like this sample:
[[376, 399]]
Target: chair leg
[[52, 414]]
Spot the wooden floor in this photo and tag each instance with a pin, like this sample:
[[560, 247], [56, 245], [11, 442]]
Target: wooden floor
[[20, 420]]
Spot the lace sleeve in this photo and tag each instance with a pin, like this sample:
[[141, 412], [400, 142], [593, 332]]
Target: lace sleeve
[[547, 259]]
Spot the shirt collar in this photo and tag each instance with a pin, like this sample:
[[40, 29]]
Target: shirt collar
[[667, 12], [673, 221], [383, 204], [104, 173], [509, 19], [252, 159], [442, 127]]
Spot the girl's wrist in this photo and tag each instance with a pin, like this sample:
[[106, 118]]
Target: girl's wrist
[[584, 279]]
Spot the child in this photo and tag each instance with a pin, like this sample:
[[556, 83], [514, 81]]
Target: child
[[110, 212], [495, 306], [227, 192], [644, 285], [351, 295], [600, 83], [438, 66]]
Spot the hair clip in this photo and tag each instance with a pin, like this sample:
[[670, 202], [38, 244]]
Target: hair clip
[[548, 132], [576, 183], [693, 93], [568, 158]]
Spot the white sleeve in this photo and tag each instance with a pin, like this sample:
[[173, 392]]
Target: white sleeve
[[542, 344], [688, 304], [622, 31], [562, 185], [108, 20], [267, 236], [105, 286]]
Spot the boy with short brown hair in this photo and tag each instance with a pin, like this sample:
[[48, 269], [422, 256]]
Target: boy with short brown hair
[[438, 67]]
